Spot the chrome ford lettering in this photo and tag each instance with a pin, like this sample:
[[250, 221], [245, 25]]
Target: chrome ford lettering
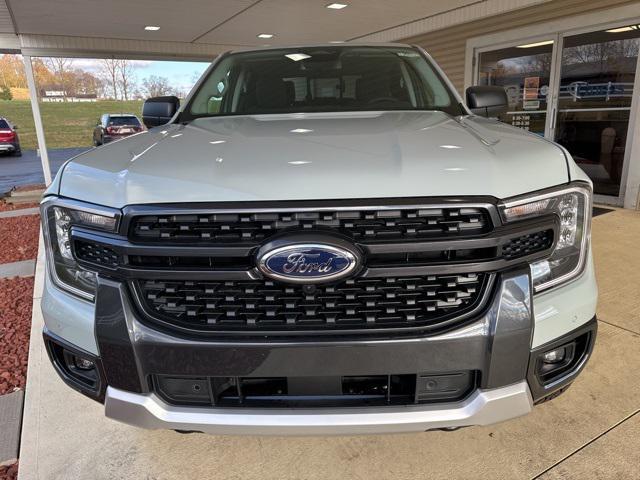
[[307, 263], [301, 263]]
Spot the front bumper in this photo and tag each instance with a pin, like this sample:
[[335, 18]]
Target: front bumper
[[483, 407], [497, 346]]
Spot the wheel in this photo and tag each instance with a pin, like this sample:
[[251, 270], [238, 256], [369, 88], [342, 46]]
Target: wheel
[[17, 153]]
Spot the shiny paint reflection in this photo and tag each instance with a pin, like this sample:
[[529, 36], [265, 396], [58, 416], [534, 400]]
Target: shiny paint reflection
[[377, 154]]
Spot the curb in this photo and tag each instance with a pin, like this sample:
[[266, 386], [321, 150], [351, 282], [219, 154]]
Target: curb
[[20, 212], [24, 268]]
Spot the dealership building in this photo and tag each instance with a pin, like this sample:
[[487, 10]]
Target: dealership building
[[570, 67]]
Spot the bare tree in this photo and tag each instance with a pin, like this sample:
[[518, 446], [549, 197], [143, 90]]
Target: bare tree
[[156, 86], [195, 76], [110, 73], [535, 64], [60, 67], [126, 78], [605, 55], [84, 82], [179, 92]]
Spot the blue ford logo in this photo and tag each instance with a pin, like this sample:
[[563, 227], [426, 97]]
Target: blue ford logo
[[307, 263]]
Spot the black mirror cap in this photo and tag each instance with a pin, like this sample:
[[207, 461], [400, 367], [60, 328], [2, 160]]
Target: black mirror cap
[[159, 110], [487, 100]]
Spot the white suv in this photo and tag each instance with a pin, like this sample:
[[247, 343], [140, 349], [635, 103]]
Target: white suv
[[320, 240]]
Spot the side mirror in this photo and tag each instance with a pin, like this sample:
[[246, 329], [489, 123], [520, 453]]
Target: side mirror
[[15, 127], [159, 110], [488, 101]]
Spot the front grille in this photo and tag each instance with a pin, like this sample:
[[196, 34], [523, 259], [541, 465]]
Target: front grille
[[361, 225], [96, 253], [528, 244], [427, 302], [424, 269]]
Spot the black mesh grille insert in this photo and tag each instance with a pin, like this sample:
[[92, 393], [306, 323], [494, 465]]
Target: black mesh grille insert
[[527, 244], [384, 224], [96, 253], [361, 303]]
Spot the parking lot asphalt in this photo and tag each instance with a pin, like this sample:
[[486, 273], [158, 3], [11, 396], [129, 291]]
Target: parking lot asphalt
[[27, 169], [592, 431]]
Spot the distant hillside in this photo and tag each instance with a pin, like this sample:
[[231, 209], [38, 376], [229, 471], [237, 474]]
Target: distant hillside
[[20, 93]]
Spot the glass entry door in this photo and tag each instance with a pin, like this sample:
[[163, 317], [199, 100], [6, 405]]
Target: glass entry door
[[525, 73], [597, 76], [576, 89]]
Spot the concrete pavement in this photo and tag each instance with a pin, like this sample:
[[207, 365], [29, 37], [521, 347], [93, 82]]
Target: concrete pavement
[[27, 169], [589, 432]]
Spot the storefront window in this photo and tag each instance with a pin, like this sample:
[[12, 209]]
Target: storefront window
[[524, 72]]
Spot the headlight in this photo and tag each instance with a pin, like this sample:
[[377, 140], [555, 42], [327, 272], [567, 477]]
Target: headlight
[[58, 216], [572, 206]]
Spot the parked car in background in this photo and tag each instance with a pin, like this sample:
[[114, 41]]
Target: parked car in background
[[114, 126], [9, 141]]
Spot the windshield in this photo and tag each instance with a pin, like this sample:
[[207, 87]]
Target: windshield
[[322, 79], [122, 120]]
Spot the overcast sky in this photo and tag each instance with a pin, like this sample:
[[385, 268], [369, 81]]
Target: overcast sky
[[182, 75]]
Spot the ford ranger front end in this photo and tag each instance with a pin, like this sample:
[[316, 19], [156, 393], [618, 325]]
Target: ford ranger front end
[[322, 240]]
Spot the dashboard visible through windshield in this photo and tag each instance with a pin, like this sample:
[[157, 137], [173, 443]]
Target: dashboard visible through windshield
[[321, 79]]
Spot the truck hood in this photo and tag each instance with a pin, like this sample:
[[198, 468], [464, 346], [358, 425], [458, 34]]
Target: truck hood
[[316, 156]]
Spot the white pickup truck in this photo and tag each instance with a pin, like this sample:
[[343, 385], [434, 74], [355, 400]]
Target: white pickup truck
[[320, 240]]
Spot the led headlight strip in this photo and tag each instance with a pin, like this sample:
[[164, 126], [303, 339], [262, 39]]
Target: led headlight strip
[[572, 205], [58, 217]]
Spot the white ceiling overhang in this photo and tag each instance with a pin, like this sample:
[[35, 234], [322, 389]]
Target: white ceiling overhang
[[196, 29]]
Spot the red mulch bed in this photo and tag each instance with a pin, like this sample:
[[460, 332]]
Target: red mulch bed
[[16, 298], [19, 238], [4, 206], [9, 473]]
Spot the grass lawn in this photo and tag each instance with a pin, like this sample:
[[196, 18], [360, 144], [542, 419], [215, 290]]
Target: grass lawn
[[66, 124]]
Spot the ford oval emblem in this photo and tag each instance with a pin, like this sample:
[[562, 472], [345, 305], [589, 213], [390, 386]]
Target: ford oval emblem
[[307, 263]]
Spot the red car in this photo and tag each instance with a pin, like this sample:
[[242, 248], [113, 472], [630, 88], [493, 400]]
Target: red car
[[9, 141]]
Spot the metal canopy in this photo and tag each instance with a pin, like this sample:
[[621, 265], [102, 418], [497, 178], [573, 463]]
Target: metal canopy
[[202, 29], [196, 29]]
